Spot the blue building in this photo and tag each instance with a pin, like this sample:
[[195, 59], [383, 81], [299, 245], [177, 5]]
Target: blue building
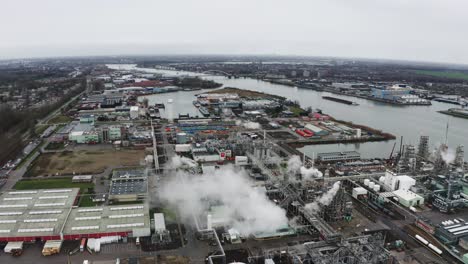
[[393, 93]]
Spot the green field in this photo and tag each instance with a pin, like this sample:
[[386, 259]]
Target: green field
[[40, 129], [55, 146], [59, 119], [51, 184], [444, 74], [86, 199], [297, 111]]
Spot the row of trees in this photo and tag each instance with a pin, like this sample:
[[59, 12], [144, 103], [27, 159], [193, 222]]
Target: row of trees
[[196, 83]]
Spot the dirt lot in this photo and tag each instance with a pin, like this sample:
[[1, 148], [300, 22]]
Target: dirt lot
[[281, 135], [84, 161]]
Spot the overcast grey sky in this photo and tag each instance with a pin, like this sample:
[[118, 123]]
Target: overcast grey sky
[[424, 30]]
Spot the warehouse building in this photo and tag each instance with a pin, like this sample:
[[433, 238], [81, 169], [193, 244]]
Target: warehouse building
[[339, 156], [393, 93], [50, 214], [450, 231], [408, 198], [118, 220], [316, 130]]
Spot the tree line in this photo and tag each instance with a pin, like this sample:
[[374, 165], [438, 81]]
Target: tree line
[[16, 123]]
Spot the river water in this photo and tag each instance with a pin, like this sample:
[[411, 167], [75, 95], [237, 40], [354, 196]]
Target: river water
[[408, 121]]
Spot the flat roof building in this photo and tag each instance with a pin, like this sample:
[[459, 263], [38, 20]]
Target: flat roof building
[[338, 156], [128, 185], [51, 214]]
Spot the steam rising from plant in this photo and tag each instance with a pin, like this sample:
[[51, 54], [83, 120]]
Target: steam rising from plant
[[247, 209], [180, 162], [443, 152], [310, 173], [325, 199], [448, 155], [248, 124], [295, 166]]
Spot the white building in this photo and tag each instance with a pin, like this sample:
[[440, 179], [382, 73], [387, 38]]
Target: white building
[[398, 182], [408, 198], [159, 223]]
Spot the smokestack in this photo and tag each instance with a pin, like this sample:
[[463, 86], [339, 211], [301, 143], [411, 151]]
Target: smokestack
[[446, 133], [209, 222], [170, 113]]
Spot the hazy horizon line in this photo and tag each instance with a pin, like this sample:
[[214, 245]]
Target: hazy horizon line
[[234, 55]]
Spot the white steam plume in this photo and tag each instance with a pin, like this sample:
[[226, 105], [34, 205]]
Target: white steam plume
[[248, 124], [179, 162], [324, 200], [294, 164], [445, 153], [248, 210], [310, 173], [448, 155]]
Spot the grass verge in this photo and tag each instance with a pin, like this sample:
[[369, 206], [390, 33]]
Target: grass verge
[[52, 184]]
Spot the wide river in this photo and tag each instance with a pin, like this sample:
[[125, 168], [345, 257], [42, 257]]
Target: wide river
[[408, 121]]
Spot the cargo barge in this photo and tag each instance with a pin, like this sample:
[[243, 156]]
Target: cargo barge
[[458, 112], [339, 100], [450, 101]]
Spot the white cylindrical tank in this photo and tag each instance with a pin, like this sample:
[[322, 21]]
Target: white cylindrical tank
[[436, 249], [209, 222], [358, 132], [366, 182], [377, 188], [371, 184], [382, 179], [420, 238]]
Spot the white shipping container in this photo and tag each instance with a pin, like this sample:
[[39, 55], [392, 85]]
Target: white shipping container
[[359, 191], [12, 246], [183, 147], [241, 160]]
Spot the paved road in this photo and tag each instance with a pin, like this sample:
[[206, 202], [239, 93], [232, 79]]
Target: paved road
[[17, 174], [46, 119]]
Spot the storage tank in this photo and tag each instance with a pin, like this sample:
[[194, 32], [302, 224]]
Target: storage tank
[[371, 184], [358, 132], [377, 188], [366, 182]]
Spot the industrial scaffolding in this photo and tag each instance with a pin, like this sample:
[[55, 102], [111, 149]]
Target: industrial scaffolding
[[338, 209], [423, 148], [366, 249]]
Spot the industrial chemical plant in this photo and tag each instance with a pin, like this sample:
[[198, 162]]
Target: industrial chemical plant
[[218, 177]]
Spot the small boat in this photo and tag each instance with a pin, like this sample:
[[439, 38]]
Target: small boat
[[204, 111], [196, 104]]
